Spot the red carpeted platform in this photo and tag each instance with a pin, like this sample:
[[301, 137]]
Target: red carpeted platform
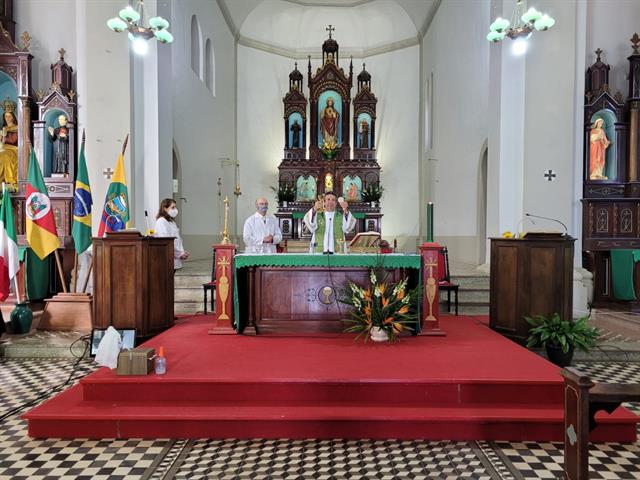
[[472, 384]]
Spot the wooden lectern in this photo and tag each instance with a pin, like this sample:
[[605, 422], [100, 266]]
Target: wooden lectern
[[530, 276], [133, 282]]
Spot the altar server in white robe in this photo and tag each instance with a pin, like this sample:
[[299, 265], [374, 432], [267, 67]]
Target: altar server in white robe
[[261, 232], [329, 226]]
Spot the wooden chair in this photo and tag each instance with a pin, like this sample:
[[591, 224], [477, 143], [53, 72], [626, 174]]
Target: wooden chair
[[282, 246], [210, 287], [444, 283], [582, 399]]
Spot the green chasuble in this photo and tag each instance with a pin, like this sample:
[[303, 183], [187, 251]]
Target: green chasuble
[[338, 234]]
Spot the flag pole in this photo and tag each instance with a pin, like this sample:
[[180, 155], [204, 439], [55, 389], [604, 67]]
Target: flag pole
[[15, 278], [60, 274], [124, 145], [75, 260]]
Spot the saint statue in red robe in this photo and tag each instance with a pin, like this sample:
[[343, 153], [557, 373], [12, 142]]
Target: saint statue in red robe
[[598, 143], [329, 124]]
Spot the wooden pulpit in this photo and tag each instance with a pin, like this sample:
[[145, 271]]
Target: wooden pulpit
[[530, 276], [133, 282]]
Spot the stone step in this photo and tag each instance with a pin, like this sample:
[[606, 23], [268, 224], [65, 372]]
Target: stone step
[[191, 281], [195, 294], [468, 295], [184, 308]]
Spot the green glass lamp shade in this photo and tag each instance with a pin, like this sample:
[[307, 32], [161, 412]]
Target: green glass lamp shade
[[531, 15], [163, 36], [158, 23], [544, 23], [116, 24], [495, 36], [499, 25], [128, 14]]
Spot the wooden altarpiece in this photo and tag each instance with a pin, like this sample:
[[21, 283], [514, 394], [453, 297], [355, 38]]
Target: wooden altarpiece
[[611, 194], [328, 168]]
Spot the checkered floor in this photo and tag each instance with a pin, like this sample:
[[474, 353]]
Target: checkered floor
[[21, 458]]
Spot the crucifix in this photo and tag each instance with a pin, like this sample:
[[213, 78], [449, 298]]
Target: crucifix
[[330, 29], [62, 51], [108, 173], [550, 175], [598, 53]]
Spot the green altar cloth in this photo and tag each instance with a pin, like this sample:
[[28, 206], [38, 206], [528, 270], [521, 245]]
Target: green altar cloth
[[359, 215], [244, 260], [623, 264]]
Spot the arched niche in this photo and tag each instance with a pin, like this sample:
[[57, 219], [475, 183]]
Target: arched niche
[[51, 120], [294, 118], [323, 101], [596, 142], [363, 133]]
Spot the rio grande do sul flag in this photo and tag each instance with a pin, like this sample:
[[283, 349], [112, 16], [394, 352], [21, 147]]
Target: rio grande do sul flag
[[41, 226], [9, 262]]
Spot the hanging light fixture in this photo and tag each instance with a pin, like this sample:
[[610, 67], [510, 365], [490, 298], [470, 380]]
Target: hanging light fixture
[[132, 19], [519, 29]]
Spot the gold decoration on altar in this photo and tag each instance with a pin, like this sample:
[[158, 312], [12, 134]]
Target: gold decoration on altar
[[225, 231], [223, 286], [431, 287], [26, 41]]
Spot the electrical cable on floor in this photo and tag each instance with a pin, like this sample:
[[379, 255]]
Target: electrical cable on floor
[[57, 388]]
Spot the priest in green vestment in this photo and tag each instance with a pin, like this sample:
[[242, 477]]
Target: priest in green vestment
[[328, 225]]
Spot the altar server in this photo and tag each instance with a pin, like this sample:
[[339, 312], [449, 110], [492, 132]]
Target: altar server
[[167, 227], [329, 226], [261, 232]]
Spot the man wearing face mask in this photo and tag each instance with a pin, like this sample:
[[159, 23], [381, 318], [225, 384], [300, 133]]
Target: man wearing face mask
[[166, 227], [261, 232]]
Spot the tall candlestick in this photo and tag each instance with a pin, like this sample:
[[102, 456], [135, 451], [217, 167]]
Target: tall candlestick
[[225, 232], [430, 222]]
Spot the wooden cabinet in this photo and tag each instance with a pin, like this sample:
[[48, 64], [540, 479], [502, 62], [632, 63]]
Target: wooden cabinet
[[530, 276], [133, 282]]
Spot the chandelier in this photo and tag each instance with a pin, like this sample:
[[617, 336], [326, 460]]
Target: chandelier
[[128, 19], [523, 23]]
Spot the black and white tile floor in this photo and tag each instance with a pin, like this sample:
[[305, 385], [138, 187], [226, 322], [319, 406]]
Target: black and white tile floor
[[22, 458]]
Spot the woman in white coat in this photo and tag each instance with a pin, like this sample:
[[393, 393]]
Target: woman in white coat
[[166, 227]]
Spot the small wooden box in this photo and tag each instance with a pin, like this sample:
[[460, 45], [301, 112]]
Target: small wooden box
[[138, 361]]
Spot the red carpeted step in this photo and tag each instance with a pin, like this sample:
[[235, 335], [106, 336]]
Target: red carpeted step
[[72, 417], [454, 392]]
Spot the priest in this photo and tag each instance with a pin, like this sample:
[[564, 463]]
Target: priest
[[328, 225]]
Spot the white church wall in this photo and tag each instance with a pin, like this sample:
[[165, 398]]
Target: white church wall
[[100, 60], [610, 25], [261, 139], [457, 63], [203, 124]]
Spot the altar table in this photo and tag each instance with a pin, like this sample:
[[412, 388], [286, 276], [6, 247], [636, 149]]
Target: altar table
[[296, 293]]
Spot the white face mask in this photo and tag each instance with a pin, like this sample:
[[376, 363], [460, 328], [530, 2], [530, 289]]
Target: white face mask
[[173, 212]]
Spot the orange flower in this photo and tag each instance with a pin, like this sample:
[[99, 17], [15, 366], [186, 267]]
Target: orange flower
[[367, 311], [397, 327], [367, 294], [385, 302], [388, 320], [400, 294], [403, 310], [382, 288]]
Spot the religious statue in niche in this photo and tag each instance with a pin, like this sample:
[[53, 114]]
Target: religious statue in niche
[[328, 183], [329, 125], [305, 189], [352, 188], [364, 134], [598, 144], [295, 134], [60, 138], [9, 145]]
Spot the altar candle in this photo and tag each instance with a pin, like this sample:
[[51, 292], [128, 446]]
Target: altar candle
[[430, 222]]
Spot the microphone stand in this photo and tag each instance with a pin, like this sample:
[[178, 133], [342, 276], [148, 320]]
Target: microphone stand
[[566, 230]]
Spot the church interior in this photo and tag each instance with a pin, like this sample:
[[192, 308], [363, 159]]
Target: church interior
[[319, 239]]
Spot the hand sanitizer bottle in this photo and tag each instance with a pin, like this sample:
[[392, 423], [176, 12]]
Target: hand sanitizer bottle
[[160, 362]]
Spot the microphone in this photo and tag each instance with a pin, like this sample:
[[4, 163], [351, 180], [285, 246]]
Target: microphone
[[566, 230]]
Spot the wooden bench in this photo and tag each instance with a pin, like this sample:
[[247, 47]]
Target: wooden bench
[[582, 399]]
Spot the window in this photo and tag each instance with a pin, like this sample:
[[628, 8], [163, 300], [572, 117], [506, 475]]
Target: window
[[195, 47], [210, 67]]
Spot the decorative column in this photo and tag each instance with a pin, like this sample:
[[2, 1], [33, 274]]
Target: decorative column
[[430, 266], [223, 256], [634, 107]]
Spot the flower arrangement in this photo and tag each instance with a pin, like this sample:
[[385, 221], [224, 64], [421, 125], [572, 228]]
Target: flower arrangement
[[372, 192], [389, 308], [329, 150], [285, 193]]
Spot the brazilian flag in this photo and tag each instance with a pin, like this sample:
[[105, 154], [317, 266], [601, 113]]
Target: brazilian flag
[[82, 202]]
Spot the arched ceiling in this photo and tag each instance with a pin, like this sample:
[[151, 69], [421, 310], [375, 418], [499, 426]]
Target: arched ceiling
[[297, 28]]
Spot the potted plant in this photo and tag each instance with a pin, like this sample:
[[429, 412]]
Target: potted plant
[[372, 193], [285, 194], [561, 337], [382, 311]]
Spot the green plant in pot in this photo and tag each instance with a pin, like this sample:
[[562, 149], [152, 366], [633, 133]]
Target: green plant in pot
[[372, 192], [561, 337], [285, 193]]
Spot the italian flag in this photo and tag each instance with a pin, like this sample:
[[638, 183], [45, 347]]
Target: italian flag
[[9, 262], [40, 224]]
